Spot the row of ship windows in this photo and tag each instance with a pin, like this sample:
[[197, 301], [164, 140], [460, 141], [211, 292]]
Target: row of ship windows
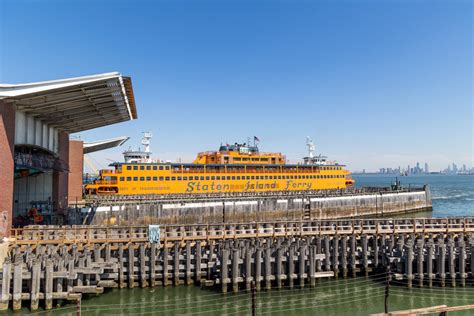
[[229, 178], [168, 168]]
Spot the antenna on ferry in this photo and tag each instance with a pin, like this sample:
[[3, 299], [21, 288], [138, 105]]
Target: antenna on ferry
[[146, 140], [311, 147]]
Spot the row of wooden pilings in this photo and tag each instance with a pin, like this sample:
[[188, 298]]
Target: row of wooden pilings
[[52, 272]]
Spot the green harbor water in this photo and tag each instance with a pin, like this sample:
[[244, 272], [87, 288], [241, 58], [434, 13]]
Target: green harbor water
[[353, 296], [452, 196]]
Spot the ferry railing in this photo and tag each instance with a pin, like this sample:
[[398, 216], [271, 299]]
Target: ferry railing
[[105, 182]]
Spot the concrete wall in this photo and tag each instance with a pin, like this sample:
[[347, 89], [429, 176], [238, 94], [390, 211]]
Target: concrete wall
[[362, 205]]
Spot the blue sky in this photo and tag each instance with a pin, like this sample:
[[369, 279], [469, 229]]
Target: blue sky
[[374, 83]]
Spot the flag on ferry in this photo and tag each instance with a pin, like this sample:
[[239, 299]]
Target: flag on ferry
[[256, 139]]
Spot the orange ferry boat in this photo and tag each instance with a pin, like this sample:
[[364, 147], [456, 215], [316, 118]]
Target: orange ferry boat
[[233, 168]]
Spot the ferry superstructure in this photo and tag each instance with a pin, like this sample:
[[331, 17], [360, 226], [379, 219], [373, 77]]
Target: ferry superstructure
[[232, 168]]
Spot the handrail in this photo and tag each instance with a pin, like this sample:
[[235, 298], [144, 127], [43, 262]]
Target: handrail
[[96, 234]]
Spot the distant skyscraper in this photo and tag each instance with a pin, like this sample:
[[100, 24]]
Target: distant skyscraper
[[427, 168]]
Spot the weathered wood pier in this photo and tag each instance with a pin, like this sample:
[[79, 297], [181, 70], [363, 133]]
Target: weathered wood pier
[[48, 264]]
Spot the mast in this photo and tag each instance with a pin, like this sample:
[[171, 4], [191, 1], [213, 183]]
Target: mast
[[311, 147]]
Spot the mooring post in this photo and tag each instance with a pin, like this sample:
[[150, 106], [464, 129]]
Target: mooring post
[[335, 255], [235, 270], [409, 262], [131, 266], [248, 267], [462, 260], [312, 265], [344, 256], [451, 258], [143, 276], [258, 267], [353, 255], [471, 245], [327, 252], [420, 244], [268, 267], [429, 261], [6, 275], [120, 267], [279, 271], [365, 254], [177, 253], [224, 269], [189, 279], [17, 282], [197, 260], [152, 263], [291, 266], [165, 264], [48, 285], [35, 284], [440, 260], [302, 265]]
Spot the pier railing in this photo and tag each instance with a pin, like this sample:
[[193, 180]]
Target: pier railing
[[171, 233]]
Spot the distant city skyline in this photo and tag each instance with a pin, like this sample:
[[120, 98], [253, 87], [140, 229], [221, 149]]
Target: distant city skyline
[[452, 168], [373, 83]]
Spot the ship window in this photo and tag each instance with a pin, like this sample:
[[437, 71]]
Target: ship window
[[129, 167], [279, 177], [154, 168], [161, 178], [185, 178], [167, 178], [248, 177], [167, 167], [253, 177], [238, 177], [155, 178], [179, 178], [161, 167], [148, 167], [202, 178], [213, 178], [233, 177], [207, 178], [173, 178], [122, 178], [142, 178], [129, 178], [266, 177], [148, 178], [135, 178], [135, 167], [142, 167]]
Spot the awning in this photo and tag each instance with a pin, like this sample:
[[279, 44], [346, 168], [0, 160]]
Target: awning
[[75, 104], [104, 144]]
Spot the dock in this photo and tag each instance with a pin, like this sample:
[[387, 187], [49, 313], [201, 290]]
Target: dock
[[51, 264], [254, 206]]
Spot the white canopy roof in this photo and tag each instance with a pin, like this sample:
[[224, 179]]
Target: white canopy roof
[[75, 104], [104, 144]]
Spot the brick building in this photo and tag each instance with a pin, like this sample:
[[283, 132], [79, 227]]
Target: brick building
[[38, 163]]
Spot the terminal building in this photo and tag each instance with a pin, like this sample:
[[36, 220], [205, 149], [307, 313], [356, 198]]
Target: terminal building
[[39, 165]]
